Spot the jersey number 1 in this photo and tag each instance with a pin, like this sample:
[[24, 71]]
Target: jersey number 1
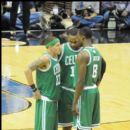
[[72, 71]]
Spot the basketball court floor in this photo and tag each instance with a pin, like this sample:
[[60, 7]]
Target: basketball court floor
[[18, 105]]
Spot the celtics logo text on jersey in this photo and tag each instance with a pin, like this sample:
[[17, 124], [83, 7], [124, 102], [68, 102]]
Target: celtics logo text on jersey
[[70, 60], [67, 62], [56, 70], [48, 81]]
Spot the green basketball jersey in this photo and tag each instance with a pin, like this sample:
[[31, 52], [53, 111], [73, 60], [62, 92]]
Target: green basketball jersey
[[67, 62], [48, 81], [93, 68]]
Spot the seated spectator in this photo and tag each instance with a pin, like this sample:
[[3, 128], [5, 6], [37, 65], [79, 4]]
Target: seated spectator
[[119, 10], [122, 14], [87, 14], [55, 21], [106, 10]]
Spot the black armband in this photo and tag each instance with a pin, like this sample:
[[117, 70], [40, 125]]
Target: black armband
[[34, 89]]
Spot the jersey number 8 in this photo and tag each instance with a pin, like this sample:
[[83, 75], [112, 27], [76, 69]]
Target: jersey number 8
[[95, 70]]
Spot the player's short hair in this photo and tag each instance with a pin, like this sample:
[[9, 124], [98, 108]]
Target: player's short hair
[[72, 31], [46, 37], [86, 31]]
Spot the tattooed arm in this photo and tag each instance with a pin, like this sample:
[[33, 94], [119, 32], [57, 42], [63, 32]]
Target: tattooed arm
[[41, 62]]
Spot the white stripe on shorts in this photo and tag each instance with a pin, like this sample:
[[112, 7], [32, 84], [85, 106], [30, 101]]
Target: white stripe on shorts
[[65, 124], [44, 115], [44, 98], [90, 87], [69, 89]]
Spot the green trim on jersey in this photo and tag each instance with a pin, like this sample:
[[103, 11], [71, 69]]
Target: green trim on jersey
[[67, 62], [48, 81], [93, 67]]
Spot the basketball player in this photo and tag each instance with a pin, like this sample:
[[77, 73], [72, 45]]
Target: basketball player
[[67, 62], [88, 75], [47, 87]]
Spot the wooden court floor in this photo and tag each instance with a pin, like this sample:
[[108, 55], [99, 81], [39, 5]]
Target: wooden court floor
[[114, 89]]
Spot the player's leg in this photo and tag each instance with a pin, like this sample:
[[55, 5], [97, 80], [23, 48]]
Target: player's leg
[[65, 110], [96, 110], [46, 115], [86, 105], [51, 117], [38, 114]]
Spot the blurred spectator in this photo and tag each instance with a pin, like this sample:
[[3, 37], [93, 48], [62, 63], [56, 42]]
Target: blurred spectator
[[119, 10], [75, 4], [87, 13], [122, 14], [33, 18], [55, 21], [106, 9], [95, 6]]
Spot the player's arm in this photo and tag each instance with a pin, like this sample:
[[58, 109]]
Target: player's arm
[[103, 69], [82, 61], [61, 54], [42, 61]]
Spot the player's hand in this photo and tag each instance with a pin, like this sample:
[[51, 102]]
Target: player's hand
[[75, 110], [37, 94], [98, 83]]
